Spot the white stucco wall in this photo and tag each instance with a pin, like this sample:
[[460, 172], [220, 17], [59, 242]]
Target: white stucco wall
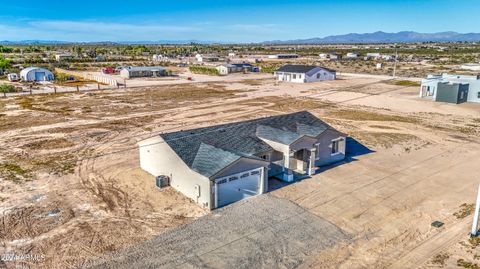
[[320, 75], [157, 158], [324, 148], [306, 77]]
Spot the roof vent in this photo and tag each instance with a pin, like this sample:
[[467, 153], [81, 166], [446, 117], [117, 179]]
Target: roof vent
[[222, 130], [192, 133]]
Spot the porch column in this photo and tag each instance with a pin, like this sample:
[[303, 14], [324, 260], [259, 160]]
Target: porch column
[[311, 160]]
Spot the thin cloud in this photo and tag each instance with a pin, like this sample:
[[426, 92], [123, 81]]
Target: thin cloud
[[93, 26]]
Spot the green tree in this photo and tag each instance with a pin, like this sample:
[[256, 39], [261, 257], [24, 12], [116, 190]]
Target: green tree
[[5, 49], [5, 64], [61, 77], [5, 88]]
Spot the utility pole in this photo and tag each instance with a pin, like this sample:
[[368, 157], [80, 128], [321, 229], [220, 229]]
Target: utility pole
[[395, 64], [475, 216]]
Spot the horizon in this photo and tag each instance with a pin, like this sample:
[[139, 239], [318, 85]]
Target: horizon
[[187, 41], [216, 21]]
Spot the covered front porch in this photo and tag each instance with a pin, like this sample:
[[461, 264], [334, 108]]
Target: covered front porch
[[295, 165]]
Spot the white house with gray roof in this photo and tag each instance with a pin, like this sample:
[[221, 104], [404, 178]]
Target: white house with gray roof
[[451, 88], [304, 73], [143, 71], [222, 164]]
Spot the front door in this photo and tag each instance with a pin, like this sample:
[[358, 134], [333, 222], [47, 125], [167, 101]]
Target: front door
[[39, 76]]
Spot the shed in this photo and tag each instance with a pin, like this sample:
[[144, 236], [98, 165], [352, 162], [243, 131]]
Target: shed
[[36, 74]]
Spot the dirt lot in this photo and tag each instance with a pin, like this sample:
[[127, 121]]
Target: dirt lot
[[71, 189]]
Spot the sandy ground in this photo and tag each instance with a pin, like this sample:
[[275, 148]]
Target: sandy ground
[[71, 189]]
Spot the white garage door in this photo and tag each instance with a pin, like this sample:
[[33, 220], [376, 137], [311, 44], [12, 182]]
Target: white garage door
[[237, 187]]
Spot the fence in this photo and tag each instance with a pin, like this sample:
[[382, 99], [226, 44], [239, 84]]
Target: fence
[[97, 78]]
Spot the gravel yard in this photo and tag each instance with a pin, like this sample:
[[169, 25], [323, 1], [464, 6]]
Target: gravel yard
[[261, 232]]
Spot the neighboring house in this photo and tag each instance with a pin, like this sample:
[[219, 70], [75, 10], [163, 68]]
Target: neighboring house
[[142, 71], [334, 56], [451, 88], [304, 73], [207, 58], [222, 164], [351, 55], [331, 56], [388, 57], [472, 67], [63, 56], [374, 55], [226, 69], [283, 56], [36, 74], [158, 58]]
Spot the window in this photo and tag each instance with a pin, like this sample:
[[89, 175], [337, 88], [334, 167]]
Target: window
[[222, 181], [244, 175], [318, 75], [255, 173], [478, 95], [294, 76], [336, 146], [265, 157], [232, 178]]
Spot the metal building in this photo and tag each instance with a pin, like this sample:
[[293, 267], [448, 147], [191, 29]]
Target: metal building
[[36, 74]]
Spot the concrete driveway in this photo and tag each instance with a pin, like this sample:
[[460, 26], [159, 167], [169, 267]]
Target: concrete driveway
[[260, 232]]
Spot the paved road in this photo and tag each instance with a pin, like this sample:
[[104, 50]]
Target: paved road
[[260, 232]]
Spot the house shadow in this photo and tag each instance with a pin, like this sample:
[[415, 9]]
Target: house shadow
[[354, 149]]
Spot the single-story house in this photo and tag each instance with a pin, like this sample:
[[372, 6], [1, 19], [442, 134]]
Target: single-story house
[[331, 56], [63, 56], [158, 58], [207, 58], [304, 73], [283, 56], [351, 55], [226, 69], [222, 164], [472, 67], [374, 55], [451, 88], [143, 71], [36, 74]]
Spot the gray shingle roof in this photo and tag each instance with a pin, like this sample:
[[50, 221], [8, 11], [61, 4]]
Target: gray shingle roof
[[293, 68], [208, 150]]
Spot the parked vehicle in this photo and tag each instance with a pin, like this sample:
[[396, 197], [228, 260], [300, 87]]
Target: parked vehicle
[[13, 77], [108, 70]]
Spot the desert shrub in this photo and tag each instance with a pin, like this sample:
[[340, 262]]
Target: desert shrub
[[196, 69]]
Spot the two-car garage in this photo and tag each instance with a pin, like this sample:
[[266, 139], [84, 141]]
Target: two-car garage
[[235, 187]]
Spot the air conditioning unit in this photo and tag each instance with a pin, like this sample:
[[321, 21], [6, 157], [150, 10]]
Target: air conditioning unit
[[162, 181]]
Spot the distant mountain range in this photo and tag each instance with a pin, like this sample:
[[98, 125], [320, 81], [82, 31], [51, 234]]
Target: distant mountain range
[[353, 38], [159, 42], [382, 37]]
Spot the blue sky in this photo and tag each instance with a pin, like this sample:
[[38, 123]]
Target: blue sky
[[233, 21]]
